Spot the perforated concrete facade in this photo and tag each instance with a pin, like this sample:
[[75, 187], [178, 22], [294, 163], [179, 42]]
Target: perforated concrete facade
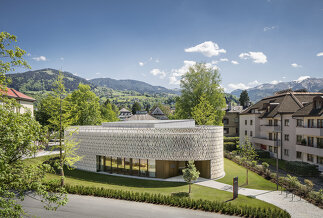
[[176, 144]]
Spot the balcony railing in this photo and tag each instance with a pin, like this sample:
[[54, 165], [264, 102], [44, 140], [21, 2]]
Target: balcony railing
[[270, 128]]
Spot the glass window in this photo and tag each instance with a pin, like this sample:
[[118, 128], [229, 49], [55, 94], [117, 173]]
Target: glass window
[[310, 157], [226, 130], [99, 163], [319, 160], [276, 150], [135, 167], [251, 133], [319, 142], [286, 152], [270, 122], [108, 163], [245, 132], [310, 123], [225, 121], [320, 123], [286, 122], [275, 122], [245, 122], [127, 166], [114, 165], [237, 131], [299, 122], [143, 167], [310, 141], [271, 148], [298, 155], [251, 122], [286, 137], [299, 139], [152, 168], [120, 162], [270, 136]]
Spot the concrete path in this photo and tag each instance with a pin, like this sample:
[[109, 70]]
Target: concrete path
[[298, 208], [88, 207], [42, 153]]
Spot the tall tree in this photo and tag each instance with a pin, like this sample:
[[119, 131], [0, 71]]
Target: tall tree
[[18, 134], [190, 174], [244, 98], [135, 107], [107, 112], [197, 81], [85, 106], [247, 153], [203, 113]]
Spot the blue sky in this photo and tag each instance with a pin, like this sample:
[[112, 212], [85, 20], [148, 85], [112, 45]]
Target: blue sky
[[250, 42]]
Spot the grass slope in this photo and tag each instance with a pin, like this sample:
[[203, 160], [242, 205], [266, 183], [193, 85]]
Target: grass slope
[[255, 181], [78, 177]]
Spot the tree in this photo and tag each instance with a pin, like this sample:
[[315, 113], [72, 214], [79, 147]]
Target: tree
[[85, 108], [244, 98], [135, 107], [247, 152], [107, 112], [197, 81], [18, 134], [203, 113], [190, 174]]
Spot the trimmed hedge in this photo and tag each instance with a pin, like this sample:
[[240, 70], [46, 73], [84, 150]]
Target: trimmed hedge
[[231, 139], [263, 154], [302, 168], [230, 146], [183, 202]]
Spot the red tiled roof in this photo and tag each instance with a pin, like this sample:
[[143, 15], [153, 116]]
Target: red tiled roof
[[18, 95]]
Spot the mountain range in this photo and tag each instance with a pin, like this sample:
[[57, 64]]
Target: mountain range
[[43, 79], [267, 89]]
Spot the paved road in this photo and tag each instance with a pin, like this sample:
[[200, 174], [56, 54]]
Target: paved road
[[298, 208], [88, 206]]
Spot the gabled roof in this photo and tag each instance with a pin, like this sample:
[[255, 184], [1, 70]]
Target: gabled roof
[[141, 117], [157, 111], [287, 102], [124, 110], [12, 93], [309, 110]]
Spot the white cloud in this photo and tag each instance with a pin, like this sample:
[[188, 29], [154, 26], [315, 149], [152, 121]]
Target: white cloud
[[141, 64], [274, 82], [158, 72], [173, 80], [301, 78], [207, 48], [235, 62], [268, 28], [284, 77], [177, 73], [98, 73], [257, 57], [319, 54], [296, 65], [40, 58], [224, 59], [61, 58], [157, 60], [254, 83], [238, 86]]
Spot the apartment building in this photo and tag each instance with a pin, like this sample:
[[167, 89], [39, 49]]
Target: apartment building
[[231, 121], [288, 124], [26, 101]]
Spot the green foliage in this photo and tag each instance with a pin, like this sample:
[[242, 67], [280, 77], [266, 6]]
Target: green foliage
[[302, 168], [247, 150], [190, 174], [203, 113], [229, 146], [108, 113], [178, 201], [85, 106], [135, 107], [262, 153], [244, 98], [197, 81]]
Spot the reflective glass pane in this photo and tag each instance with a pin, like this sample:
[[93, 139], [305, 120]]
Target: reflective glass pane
[[108, 164], [120, 165], [143, 167], [114, 165], [152, 168], [135, 167], [127, 166]]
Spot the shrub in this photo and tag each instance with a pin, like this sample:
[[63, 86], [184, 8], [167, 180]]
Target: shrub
[[309, 185], [254, 163], [176, 201], [231, 139], [302, 168], [229, 146], [263, 153], [265, 166]]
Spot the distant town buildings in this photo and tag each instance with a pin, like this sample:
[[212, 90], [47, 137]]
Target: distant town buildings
[[158, 114], [231, 120], [26, 101], [124, 114], [288, 124]]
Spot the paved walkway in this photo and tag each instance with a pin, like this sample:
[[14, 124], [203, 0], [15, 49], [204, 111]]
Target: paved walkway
[[298, 208]]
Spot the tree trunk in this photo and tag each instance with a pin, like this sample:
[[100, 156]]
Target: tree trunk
[[60, 146], [189, 188], [247, 177]]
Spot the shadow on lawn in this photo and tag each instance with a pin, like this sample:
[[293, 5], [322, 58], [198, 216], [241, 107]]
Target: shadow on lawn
[[120, 181]]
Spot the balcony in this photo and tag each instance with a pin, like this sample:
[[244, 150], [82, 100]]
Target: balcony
[[272, 128], [309, 131], [266, 141], [310, 150]]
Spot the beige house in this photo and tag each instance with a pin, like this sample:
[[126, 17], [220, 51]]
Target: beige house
[[279, 124], [231, 121], [26, 101]]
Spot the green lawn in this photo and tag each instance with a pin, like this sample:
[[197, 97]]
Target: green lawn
[[78, 177], [255, 181]]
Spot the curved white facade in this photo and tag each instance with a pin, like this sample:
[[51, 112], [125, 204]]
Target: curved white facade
[[163, 141]]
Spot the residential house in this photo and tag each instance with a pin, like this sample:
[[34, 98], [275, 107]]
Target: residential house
[[231, 121]]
